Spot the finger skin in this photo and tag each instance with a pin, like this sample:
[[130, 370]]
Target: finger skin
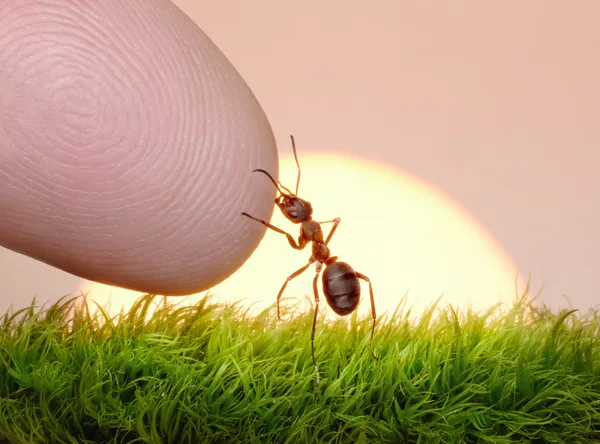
[[127, 141]]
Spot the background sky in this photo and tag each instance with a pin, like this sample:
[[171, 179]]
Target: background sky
[[496, 104]]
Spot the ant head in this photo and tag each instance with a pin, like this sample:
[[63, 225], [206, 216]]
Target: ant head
[[296, 210]]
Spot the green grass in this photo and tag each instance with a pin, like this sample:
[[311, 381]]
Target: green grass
[[210, 373]]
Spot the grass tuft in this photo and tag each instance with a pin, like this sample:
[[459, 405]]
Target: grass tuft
[[164, 373]]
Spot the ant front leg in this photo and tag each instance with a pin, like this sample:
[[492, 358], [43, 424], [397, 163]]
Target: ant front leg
[[373, 314], [297, 246], [289, 278]]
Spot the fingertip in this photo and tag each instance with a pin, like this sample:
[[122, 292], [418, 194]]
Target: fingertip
[[129, 146]]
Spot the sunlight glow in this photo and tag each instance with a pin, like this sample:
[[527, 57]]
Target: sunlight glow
[[406, 236]]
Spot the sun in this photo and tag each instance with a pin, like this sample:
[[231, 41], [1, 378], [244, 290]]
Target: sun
[[411, 239]]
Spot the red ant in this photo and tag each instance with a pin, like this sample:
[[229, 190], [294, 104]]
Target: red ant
[[341, 283]]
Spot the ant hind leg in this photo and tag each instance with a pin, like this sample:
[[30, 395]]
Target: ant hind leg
[[373, 313]]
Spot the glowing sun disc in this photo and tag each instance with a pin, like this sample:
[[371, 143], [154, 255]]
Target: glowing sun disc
[[407, 236]]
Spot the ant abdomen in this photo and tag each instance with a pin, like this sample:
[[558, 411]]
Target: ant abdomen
[[341, 287]]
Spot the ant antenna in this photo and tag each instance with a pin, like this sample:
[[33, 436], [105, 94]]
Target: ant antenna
[[259, 170], [297, 163], [278, 185]]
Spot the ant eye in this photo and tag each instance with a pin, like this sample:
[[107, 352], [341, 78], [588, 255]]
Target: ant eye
[[293, 214]]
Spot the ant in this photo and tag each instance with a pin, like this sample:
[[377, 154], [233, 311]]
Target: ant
[[341, 283]]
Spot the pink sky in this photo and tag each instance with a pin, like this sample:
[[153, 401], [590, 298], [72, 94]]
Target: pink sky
[[497, 104]]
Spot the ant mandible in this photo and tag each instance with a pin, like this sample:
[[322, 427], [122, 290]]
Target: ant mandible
[[341, 283]]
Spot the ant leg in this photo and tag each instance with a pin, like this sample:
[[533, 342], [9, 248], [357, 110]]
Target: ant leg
[[314, 324], [329, 221], [336, 222], [373, 314], [297, 246], [289, 278]]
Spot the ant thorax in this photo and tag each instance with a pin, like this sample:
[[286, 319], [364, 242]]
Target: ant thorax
[[320, 252], [311, 231]]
